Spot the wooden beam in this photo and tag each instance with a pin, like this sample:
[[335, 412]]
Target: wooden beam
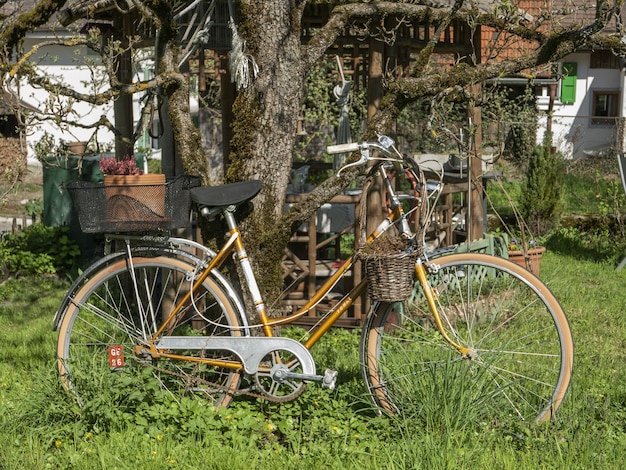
[[476, 197], [123, 104]]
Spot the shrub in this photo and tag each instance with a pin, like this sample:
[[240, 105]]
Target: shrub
[[15, 263], [37, 250], [542, 193]]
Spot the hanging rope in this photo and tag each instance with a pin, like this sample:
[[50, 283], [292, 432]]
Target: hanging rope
[[243, 68]]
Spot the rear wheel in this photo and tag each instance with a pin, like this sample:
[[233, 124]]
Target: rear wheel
[[521, 349], [107, 321]]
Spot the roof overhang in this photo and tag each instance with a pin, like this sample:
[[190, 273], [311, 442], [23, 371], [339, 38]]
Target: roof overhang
[[9, 103], [518, 81]]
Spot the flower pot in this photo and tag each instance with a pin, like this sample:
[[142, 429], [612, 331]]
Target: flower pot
[[531, 261], [77, 148], [134, 197]]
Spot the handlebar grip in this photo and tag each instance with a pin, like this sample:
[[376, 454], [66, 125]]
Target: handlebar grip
[[342, 148]]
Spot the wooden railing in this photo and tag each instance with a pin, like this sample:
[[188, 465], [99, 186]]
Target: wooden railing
[[17, 224], [314, 254]]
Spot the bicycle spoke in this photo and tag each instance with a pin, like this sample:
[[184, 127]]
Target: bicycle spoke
[[118, 308]]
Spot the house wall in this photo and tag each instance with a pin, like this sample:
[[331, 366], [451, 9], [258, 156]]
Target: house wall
[[574, 134], [68, 65]]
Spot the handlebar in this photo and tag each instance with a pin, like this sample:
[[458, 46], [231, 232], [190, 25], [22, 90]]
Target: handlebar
[[384, 145], [342, 148], [387, 152]]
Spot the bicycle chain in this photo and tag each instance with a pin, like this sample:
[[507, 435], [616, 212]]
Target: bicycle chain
[[239, 391]]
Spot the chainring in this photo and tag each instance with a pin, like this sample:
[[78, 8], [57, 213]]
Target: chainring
[[279, 390]]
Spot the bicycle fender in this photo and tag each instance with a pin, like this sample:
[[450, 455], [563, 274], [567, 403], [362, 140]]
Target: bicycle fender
[[86, 275], [76, 285]]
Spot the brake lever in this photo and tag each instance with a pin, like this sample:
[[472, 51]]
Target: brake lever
[[364, 158]]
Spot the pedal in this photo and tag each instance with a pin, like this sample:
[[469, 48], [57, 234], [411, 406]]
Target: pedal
[[328, 380]]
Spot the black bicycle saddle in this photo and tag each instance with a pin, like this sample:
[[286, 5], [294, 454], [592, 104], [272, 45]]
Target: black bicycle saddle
[[226, 194]]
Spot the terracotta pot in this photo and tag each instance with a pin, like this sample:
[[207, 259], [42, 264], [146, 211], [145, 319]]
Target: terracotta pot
[[77, 148], [134, 197], [532, 262]]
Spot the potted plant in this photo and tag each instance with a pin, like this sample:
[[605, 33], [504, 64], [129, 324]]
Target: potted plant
[[113, 166], [129, 191], [526, 255]]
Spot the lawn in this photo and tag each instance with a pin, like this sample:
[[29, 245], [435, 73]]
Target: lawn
[[135, 426], [41, 427]]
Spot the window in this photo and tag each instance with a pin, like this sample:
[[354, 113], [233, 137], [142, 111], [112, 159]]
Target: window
[[605, 108], [603, 60], [568, 83]]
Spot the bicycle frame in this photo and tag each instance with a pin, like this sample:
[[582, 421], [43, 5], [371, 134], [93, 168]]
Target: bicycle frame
[[235, 244]]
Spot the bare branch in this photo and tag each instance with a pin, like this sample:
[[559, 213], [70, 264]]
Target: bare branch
[[12, 32]]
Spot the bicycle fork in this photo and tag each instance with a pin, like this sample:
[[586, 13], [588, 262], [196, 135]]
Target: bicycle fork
[[431, 297], [398, 216]]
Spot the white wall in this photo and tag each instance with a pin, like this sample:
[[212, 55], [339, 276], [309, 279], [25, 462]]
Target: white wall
[[573, 133], [68, 65]]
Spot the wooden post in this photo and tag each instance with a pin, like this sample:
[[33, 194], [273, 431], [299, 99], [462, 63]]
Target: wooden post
[[476, 214], [228, 92], [374, 95], [123, 104]]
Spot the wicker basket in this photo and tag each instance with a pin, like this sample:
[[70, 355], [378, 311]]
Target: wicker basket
[[96, 214], [390, 277]]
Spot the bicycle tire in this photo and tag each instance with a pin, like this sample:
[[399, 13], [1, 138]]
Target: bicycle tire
[[514, 325], [104, 312]]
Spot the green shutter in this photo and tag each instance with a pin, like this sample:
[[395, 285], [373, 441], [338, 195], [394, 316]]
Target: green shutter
[[568, 83]]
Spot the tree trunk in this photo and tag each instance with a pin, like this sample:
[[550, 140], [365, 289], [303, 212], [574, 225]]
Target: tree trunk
[[264, 126]]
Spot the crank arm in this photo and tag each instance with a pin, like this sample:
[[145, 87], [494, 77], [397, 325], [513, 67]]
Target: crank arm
[[328, 379]]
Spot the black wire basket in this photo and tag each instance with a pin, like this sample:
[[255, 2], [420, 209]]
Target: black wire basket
[[133, 208]]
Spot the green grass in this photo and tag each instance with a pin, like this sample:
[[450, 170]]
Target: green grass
[[592, 186], [132, 427]]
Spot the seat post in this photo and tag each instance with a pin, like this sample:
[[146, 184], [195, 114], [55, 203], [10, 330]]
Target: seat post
[[229, 215]]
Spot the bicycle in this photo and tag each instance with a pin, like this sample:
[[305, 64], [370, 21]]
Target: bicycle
[[161, 303]]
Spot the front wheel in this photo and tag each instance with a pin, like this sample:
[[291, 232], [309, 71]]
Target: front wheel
[[519, 341], [109, 320]]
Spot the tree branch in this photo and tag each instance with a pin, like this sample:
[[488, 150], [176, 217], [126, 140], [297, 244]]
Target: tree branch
[[12, 32]]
